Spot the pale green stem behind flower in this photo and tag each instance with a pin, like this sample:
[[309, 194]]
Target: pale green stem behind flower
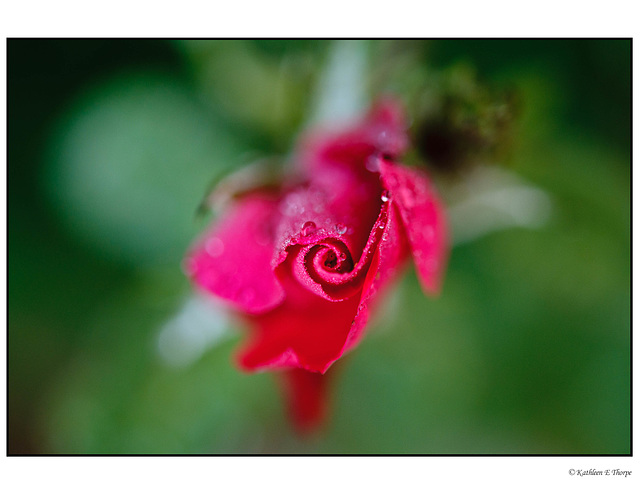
[[341, 94]]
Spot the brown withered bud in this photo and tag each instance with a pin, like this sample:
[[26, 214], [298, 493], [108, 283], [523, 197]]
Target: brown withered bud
[[461, 123]]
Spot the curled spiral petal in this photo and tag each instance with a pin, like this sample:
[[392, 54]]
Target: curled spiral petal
[[327, 266]]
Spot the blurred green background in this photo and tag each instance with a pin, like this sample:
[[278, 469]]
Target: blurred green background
[[112, 146]]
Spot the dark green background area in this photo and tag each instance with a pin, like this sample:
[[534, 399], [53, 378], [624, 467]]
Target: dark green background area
[[112, 145]]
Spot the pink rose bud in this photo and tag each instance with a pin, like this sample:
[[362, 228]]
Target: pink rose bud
[[305, 263]]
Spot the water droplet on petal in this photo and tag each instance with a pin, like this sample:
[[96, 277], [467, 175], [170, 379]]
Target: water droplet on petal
[[292, 204], [214, 247], [341, 228], [308, 228], [385, 196], [373, 164]]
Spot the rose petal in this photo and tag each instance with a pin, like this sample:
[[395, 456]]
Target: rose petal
[[387, 264], [336, 203], [306, 331], [326, 267], [312, 331], [233, 260], [423, 218], [382, 132]]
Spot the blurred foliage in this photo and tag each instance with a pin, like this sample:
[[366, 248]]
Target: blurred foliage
[[128, 140], [112, 145]]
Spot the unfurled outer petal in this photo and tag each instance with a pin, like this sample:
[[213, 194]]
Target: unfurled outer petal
[[382, 132], [233, 259], [390, 256], [306, 331], [423, 218]]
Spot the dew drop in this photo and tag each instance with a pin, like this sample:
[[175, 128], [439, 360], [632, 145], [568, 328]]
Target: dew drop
[[341, 228], [308, 228], [292, 205], [385, 196], [373, 164], [214, 247]]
